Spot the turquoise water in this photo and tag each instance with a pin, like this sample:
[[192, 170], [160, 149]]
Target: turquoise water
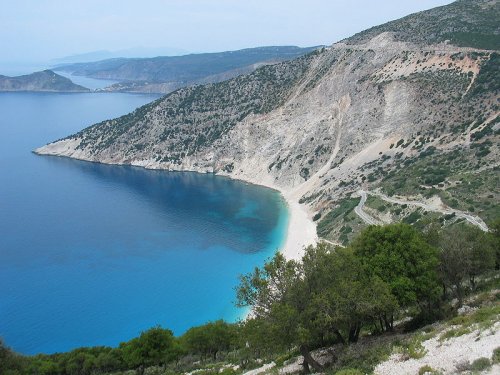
[[93, 254]]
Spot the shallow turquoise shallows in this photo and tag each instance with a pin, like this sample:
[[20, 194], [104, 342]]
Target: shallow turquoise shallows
[[94, 254]]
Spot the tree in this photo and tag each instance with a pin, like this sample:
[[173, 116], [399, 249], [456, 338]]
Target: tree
[[399, 256], [495, 241], [154, 347], [10, 362], [210, 339], [267, 285], [345, 295], [328, 297], [108, 361], [466, 252]]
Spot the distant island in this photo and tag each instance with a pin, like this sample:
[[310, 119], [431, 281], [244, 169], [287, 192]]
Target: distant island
[[164, 74], [45, 80]]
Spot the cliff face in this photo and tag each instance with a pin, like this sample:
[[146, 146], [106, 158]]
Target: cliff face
[[374, 113], [46, 80]]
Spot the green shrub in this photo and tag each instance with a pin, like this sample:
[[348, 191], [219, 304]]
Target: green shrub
[[416, 350], [495, 358], [480, 364], [349, 371], [228, 371], [362, 359], [454, 333]]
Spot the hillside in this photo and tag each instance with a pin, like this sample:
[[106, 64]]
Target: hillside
[[387, 112], [46, 80], [167, 73], [465, 23]]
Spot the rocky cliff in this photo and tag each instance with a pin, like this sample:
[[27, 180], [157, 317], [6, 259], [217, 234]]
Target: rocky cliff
[[382, 110]]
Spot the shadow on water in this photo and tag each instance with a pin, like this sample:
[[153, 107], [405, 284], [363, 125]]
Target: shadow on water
[[241, 214]]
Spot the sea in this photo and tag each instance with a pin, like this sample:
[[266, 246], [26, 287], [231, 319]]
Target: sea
[[94, 254]]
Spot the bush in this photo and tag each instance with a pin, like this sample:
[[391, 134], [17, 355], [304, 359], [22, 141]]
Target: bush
[[495, 358], [349, 371], [480, 364], [228, 371], [360, 358], [415, 349], [454, 333]]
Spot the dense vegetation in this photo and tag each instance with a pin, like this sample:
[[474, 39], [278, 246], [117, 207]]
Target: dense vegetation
[[334, 296]]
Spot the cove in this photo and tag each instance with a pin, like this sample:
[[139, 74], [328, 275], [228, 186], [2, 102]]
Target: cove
[[93, 254]]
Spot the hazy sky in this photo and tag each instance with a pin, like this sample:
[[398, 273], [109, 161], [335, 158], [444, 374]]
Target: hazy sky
[[37, 30]]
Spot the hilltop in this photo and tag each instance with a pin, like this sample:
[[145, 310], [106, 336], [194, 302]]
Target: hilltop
[[464, 23], [45, 80], [409, 119]]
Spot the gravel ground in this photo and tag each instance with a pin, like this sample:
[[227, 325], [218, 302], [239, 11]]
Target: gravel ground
[[445, 356]]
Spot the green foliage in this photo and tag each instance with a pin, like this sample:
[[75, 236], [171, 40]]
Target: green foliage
[[10, 363], [154, 347], [363, 357], [488, 79], [454, 332], [413, 217], [399, 256], [495, 241], [328, 297], [478, 40], [210, 339], [480, 364], [349, 371], [344, 208], [412, 347], [495, 358], [466, 252], [484, 317], [468, 23]]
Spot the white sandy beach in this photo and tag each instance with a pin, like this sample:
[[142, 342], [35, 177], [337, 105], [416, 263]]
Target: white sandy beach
[[301, 231]]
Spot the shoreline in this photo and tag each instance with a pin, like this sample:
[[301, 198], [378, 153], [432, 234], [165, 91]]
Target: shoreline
[[301, 230]]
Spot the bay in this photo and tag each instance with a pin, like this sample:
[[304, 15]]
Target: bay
[[93, 254]]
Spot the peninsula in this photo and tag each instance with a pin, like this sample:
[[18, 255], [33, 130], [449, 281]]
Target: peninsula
[[45, 80]]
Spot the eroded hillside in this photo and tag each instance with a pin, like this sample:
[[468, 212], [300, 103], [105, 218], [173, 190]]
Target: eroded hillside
[[382, 112]]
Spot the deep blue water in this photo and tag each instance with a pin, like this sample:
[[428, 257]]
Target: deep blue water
[[94, 254]]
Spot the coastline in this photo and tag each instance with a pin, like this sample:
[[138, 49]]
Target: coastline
[[301, 230]]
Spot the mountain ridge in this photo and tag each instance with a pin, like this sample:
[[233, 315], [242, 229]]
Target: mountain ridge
[[164, 74], [323, 126]]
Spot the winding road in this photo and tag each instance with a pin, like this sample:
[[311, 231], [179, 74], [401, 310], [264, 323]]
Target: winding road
[[474, 220], [359, 209]]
